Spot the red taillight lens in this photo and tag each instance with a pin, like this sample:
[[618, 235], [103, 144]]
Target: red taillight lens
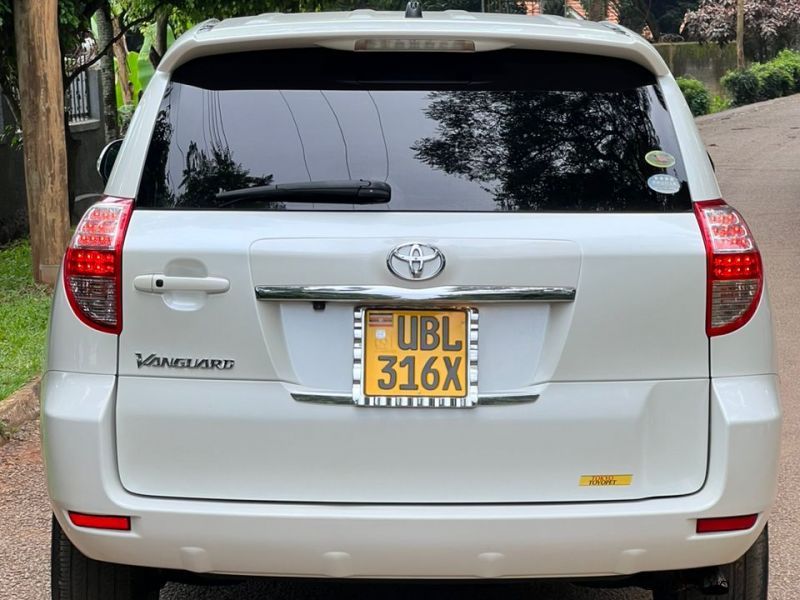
[[93, 265], [100, 521], [722, 524], [735, 275]]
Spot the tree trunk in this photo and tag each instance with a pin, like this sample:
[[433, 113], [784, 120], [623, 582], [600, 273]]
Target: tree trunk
[[597, 10], [121, 54], [159, 47], [45, 155], [105, 33], [652, 25], [740, 34]]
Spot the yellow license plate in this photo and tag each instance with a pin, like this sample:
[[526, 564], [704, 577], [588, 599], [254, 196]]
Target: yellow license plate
[[416, 353]]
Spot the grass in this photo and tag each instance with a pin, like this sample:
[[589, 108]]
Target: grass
[[718, 104], [24, 310]]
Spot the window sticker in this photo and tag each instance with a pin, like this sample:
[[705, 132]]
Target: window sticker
[[605, 480], [664, 184], [660, 159]]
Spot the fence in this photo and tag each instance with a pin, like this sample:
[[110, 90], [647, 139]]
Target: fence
[[84, 103], [78, 99], [706, 62], [77, 96]]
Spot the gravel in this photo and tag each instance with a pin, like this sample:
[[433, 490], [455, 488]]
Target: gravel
[[25, 519]]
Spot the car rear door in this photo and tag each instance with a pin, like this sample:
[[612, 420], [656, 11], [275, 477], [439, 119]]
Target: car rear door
[[522, 322]]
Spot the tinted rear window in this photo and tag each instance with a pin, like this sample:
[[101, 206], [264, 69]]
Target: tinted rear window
[[508, 130]]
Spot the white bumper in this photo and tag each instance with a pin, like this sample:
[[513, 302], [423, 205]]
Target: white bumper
[[402, 541]]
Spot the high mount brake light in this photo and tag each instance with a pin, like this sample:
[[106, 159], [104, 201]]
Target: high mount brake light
[[413, 45], [735, 277], [93, 265]]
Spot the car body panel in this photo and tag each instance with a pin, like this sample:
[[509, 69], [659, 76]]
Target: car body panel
[[412, 541], [211, 469], [603, 336]]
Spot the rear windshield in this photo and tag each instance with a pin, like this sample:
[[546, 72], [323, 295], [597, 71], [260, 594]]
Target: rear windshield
[[506, 130]]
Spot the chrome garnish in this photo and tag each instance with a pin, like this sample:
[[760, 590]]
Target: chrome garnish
[[399, 295], [332, 398]]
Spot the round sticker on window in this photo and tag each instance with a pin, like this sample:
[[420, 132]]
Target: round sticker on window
[[659, 158], [664, 184]]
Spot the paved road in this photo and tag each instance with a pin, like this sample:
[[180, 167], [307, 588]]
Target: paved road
[[757, 153]]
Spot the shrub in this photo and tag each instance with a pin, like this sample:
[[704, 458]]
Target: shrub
[[696, 94], [763, 81], [742, 86], [790, 62], [773, 80]]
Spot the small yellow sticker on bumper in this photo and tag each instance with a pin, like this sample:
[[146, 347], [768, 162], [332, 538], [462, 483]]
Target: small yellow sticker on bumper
[[605, 480]]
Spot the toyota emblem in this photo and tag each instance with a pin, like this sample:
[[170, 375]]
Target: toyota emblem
[[415, 261]]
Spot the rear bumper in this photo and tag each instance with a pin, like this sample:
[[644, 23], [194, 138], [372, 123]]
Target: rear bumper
[[405, 541]]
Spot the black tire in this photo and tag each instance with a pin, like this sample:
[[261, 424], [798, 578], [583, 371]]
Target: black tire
[[748, 577], [74, 576]]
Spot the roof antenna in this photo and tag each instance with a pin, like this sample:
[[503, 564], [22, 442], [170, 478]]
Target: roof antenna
[[413, 10]]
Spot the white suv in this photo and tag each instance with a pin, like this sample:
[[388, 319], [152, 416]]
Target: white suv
[[376, 295]]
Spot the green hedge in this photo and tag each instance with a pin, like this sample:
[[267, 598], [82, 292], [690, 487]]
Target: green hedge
[[696, 94], [763, 81]]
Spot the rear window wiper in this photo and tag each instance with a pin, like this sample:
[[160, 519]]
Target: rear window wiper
[[347, 191]]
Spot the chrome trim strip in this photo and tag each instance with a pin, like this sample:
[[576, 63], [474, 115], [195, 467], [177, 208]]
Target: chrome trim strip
[[347, 400], [506, 399], [323, 398], [389, 293]]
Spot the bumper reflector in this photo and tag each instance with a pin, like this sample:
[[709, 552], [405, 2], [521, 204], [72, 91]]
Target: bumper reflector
[[722, 524], [100, 521]]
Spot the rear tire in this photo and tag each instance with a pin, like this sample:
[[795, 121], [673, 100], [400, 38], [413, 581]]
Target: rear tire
[[74, 576], [748, 577]]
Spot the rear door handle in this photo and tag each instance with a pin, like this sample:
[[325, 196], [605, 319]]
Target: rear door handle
[[158, 283]]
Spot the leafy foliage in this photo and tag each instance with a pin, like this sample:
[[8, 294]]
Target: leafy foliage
[[74, 21], [762, 81], [696, 94], [790, 62], [773, 80], [769, 24], [741, 86]]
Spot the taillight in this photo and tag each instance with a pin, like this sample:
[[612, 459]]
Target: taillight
[[93, 265], [735, 274]]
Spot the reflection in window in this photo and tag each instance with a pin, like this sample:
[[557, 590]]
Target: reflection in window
[[539, 151]]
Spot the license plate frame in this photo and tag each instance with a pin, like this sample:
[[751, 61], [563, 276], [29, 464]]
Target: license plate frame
[[360, 398]]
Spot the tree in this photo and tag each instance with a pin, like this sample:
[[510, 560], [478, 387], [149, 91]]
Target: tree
[[105, 36], [42, 117], [770, 25], [552, 7], [659, 16], [740, 34], [74, 23], [121, 56], [596, 10], [8, 65]]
